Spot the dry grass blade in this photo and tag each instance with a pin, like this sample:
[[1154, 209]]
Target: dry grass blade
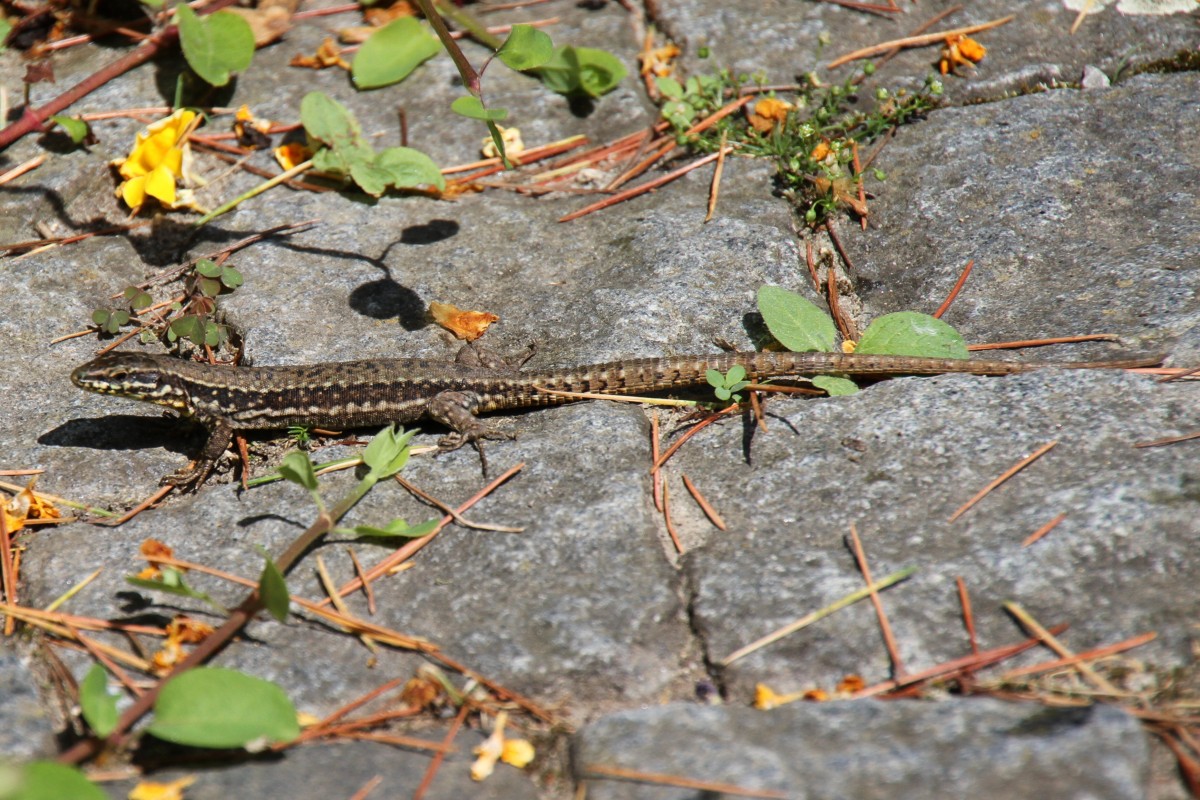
[[1099, 652], [1042, 531], [809, 619], [889, 638], [705, 506], [1013, 470], [918, 41], [1035, 628]]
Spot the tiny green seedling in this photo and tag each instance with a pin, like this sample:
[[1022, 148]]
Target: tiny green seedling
[[299, 434], [727, 386]]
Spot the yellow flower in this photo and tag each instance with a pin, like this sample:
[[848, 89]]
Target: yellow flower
[[148, 790], [292, 154], [516, 752], [159, 159], [766, 698]]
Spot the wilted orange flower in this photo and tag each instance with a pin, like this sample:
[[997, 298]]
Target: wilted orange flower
[[292, 154], [26, 505], [657, 60], [466, 325], [766, 113], [161, 158], [327, 55], [960, 51]]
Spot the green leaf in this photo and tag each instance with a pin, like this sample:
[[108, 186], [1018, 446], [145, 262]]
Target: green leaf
[[231, 278], [471, 106], [369, 176], [215, 45], [526, 47], [208, 268], [407, 168], [736, 374], [98, 705], [795, 322], [218, 707], [327, 121], [599, 71], [388, 452], [5, 29], [209, 287], [581, 70], [77, 129], [714, 378], [272, 588], [396, 527], [678, 113], [498, 141], [908, 333], [669, 88], [138, 299], [391, 53], [212, 334], [834, 386], [49, 780], [297, 468]]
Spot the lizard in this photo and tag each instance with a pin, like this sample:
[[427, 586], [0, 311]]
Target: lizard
[[356, 394]]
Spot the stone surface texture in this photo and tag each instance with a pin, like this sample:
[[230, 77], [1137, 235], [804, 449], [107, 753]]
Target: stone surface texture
[[1078, 200]]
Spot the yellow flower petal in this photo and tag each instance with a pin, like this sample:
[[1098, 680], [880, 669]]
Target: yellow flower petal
[[148, 790], [160, 184], [517, 752], [133, 192]]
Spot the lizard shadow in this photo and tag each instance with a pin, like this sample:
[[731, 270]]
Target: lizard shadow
[[750, 427], [125, 432]]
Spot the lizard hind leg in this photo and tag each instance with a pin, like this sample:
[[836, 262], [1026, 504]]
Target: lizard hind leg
[[456, 410]]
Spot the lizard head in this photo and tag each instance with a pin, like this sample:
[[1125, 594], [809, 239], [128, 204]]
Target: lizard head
[[139, 376]]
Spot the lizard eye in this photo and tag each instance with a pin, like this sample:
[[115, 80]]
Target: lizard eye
[[118, 375]]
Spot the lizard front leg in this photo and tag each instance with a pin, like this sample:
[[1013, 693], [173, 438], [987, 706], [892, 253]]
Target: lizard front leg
[[220, 433], [456, 410]]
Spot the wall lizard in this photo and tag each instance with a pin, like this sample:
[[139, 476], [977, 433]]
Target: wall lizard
[[355, 394]]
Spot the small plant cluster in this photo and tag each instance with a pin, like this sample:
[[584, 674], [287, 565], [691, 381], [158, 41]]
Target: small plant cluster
[[190, 317], [812, 137]]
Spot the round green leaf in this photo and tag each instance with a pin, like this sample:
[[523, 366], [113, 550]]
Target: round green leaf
[[908, 333], [98, 706], [391, 53], [407, 168], [49, 780], [471, 106], [795, 322], [599, 71], [834, 386], [526, 47], [326, 120], [218, 707], [216, 45]]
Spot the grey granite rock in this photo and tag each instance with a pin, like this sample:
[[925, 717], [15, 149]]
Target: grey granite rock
[[338, 770], [26, 723], [1078, 207], [865, 750]]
